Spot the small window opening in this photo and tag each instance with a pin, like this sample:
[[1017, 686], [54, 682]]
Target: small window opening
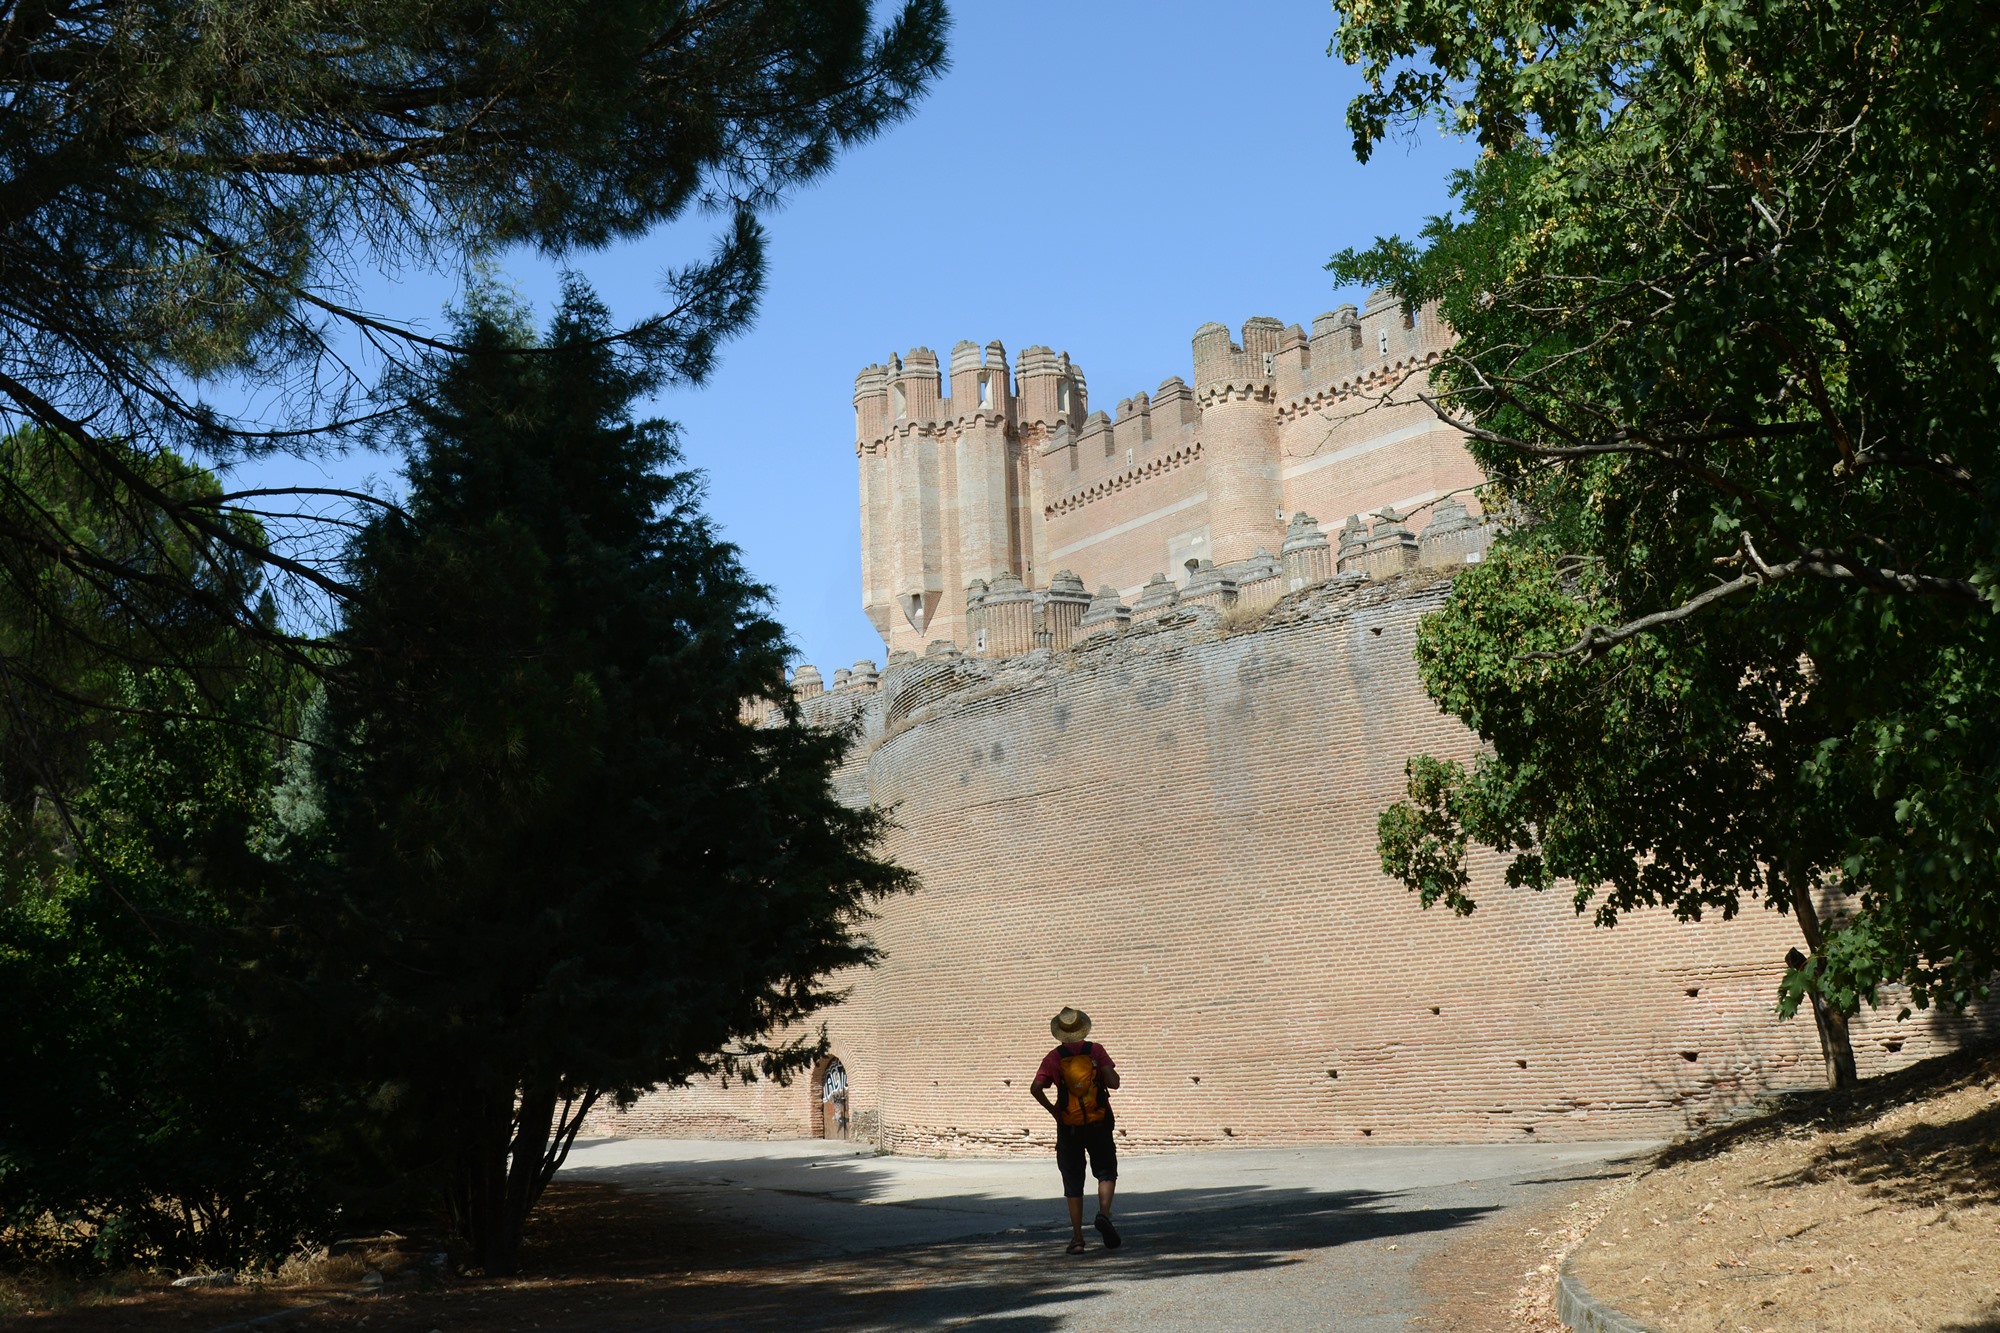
[[1128, 458], [1270, 363], [985, 390], [1382, 340], [903, 401], [1062, 395]]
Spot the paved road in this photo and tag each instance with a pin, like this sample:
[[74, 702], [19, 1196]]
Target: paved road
[[1322, 1237]]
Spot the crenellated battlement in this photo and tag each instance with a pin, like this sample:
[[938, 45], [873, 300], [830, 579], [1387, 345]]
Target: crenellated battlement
[[909, 392], [1004, 617], [977, 469], [1370, 560]]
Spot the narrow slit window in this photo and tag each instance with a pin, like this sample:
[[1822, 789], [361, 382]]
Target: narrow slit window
[[985, 389], [1062, 395], [1382, 340], [903, 400]]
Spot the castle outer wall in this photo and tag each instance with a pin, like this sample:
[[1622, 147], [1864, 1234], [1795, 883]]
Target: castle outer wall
[[1139, 717], [1170, 824]]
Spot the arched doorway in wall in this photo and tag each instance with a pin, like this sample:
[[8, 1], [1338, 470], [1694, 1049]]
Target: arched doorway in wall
[[830, 1118]]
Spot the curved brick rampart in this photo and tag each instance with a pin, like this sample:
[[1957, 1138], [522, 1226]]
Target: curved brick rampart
[[1173, 829]]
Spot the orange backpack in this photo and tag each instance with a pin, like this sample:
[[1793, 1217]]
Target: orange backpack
[[1080, 1095]]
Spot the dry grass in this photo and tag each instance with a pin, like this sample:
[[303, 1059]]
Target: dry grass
[[1871, 1212], [29, 1293], [595, 1259], [137, 1298], [1500, 1275], [348, 1263]]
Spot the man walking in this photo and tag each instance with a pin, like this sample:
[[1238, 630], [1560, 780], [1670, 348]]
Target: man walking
[[1082, 1075]]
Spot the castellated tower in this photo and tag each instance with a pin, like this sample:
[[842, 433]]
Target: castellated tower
[[947, 496], [984, 489], [1239, 438]]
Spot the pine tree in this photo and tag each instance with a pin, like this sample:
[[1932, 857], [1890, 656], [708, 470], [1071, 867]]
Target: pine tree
[[195, 193]]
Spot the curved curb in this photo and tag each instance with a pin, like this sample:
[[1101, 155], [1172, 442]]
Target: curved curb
[[1584, 1313]]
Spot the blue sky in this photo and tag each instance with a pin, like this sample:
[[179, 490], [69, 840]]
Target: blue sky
[[1101, 176]]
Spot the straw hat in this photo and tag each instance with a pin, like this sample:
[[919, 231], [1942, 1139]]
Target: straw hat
[[1070, 1025]]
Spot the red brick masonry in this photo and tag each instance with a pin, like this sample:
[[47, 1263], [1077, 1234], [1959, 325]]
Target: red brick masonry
[[1173, 828]]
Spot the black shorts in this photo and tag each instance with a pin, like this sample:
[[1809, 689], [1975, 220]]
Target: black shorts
[[1074, 1143]]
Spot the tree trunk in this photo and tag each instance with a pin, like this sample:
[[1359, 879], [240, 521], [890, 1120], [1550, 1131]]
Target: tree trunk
[[479, 1186], [1834, 1044], [515, 1145]]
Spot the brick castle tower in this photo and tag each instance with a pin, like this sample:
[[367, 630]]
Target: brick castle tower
[[995, 499]]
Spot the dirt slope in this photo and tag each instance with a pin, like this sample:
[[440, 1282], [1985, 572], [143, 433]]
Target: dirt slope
[[1871, 1212]]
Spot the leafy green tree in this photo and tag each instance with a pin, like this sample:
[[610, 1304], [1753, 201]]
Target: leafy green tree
[[194, 194], [75, 624], [564, 869], [1726, 281], [150, 1112]]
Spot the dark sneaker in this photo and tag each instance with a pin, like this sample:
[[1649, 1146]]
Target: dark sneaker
[[1106, 1230]]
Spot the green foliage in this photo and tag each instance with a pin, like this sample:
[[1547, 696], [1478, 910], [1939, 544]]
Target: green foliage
[[183, 182], [138, 588], [1727, 288], [194, 193], [562, 866], [147, 1116]]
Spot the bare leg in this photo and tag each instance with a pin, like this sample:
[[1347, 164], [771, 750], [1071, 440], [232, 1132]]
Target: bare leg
[[1076, 1220], [1105, 1189]]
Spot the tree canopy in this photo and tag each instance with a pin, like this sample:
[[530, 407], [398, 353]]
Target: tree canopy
[[1726, 283], [194, 195], [153, 1113], [559, 865]]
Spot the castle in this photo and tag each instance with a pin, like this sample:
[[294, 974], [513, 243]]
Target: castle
[[1158, 801], [993, 513]]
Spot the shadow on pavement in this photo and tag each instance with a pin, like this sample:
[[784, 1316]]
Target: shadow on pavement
[[1016, 1281], [796, 1241]]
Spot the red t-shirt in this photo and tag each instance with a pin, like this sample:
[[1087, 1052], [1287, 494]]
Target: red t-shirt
[[1046, 1075]]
